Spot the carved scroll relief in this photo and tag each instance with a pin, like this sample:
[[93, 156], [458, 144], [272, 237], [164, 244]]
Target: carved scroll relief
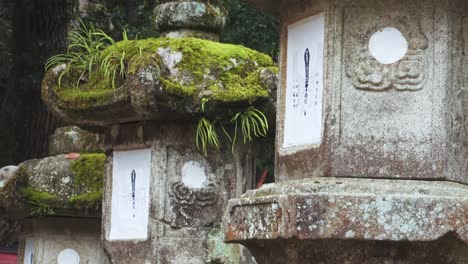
[[184, 195]]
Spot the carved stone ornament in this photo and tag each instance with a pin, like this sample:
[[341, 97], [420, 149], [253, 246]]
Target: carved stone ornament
[[407, 74], [184, 195]]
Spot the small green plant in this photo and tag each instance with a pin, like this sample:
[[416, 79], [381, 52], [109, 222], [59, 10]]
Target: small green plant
[[252, 122], [83, 60], [41, 202], [113, 66], [41, 209], [206, 135]]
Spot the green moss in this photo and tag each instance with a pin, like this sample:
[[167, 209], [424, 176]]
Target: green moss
[[84, 97], [238, 88], [89, 172], [234, 70], [32, 194], [41, 203], [275, 70], [178, 89], [87, 200]]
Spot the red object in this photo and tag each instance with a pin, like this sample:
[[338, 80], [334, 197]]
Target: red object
[[262, 179], [8, 258], [72, 155]]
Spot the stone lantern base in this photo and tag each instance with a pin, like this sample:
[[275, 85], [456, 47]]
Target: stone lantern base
[[342, 220], [61, 240]]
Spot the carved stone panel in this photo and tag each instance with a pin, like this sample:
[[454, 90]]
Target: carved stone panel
[[194, 189], [366, 72], [388, 119]]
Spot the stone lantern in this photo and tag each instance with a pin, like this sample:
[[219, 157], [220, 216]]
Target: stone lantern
[[371, 150], [53, 204], [164, 194]]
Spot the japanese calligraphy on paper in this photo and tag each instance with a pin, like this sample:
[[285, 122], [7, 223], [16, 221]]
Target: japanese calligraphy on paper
[[303, 116]]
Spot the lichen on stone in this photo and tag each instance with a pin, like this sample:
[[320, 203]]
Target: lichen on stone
[[220, 252], [74, 139]]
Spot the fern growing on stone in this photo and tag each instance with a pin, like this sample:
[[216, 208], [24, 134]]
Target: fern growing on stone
[[84, 61], [251, 122]]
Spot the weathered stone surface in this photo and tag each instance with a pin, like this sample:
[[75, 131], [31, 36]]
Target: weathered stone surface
[[46, 238], [166, 80], [344, 208], [190, 15], [405, 120], [447, 250], [56, 185], [51, 174], [185, 214], [6, 173], [191, 33], [398, 120], [74, 139]]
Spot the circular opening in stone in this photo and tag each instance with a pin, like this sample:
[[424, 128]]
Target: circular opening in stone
[[388, 45], [193, 174], [68, 256]]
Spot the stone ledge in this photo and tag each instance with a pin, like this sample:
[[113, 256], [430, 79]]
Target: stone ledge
[[346, 208]]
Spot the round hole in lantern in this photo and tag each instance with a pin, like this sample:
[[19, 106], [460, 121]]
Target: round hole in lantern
[[388, 45], [68, 256], [193, 174]]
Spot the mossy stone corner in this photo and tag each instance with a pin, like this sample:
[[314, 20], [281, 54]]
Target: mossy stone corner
[[56, 185], [165, 79]]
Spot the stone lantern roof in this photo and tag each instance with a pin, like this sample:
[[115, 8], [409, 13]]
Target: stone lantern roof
[[166, 80], [61, 184]]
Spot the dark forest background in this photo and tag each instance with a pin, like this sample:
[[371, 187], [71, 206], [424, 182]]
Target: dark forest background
[[34, 30]]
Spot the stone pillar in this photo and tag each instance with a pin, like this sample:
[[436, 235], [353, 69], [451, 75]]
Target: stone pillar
[[59, 240], [182, 195], [371, 142]]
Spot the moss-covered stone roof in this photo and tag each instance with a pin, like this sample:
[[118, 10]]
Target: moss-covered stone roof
[[55, 184], [164, 75]]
